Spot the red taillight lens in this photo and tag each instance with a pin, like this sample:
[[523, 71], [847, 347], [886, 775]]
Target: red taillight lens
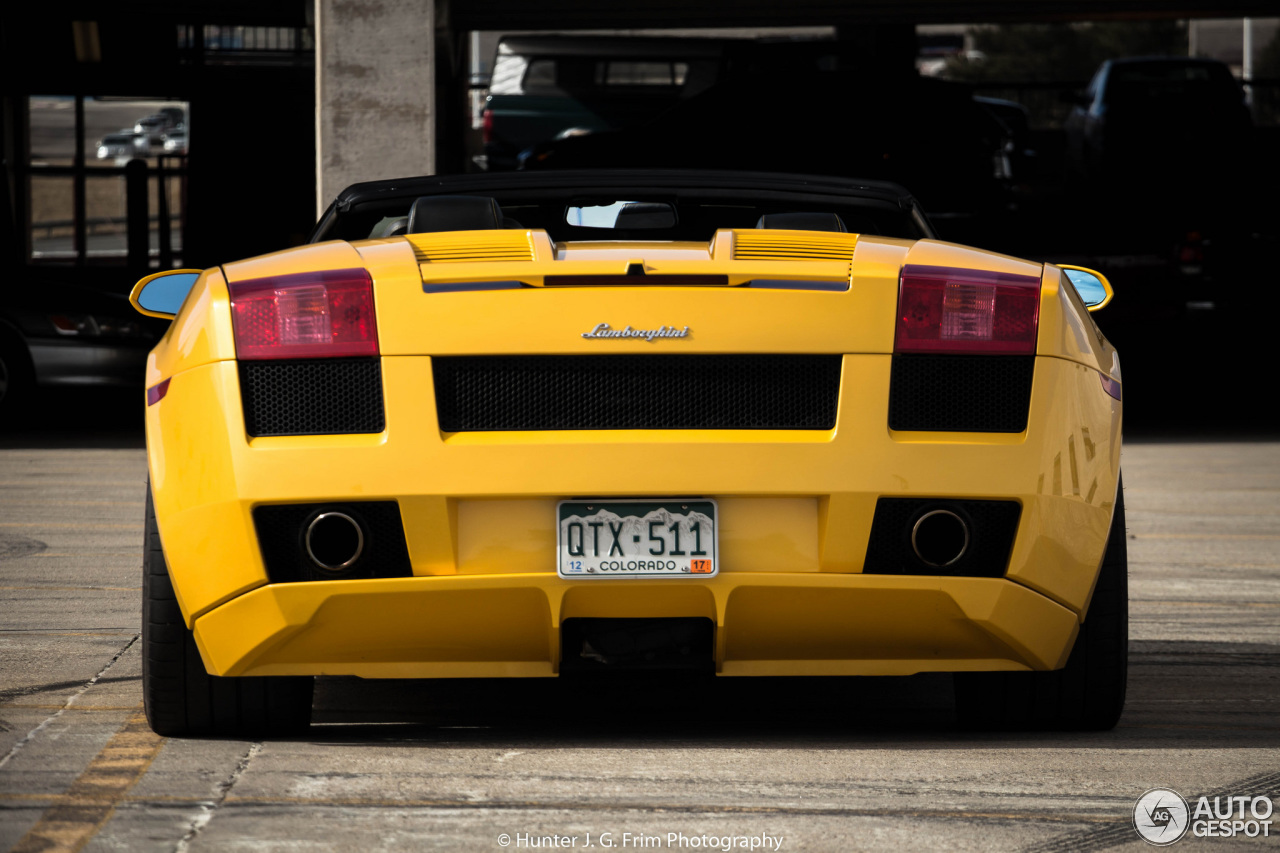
[[950, 310], [307, 315], [486, 126]]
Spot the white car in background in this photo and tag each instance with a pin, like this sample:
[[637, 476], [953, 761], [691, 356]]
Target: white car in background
[[175, 141], [124, 145]]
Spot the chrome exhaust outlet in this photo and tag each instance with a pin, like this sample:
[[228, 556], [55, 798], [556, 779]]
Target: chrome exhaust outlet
[[334, 540], [940, 538]]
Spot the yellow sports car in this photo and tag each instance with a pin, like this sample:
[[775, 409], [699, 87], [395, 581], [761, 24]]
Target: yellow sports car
[[532, 424]]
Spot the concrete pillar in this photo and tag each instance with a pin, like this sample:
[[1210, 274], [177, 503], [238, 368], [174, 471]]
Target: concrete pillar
[[375, 92]]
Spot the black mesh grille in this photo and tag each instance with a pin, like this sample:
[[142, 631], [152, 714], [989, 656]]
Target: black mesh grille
[[312, 397], [960, 393], [282, 528], [992, 527], [475, 393]]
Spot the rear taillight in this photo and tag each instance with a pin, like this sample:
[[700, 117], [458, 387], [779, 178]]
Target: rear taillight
[[325, 314], [964, 311], [486, 126]]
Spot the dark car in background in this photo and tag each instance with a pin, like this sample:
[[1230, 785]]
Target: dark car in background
[[154, 127], [1140, 116], [543, 88], [58, 335], [1170, 141], [810, 107]]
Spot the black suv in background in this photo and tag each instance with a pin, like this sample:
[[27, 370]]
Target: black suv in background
[[1142, 116]]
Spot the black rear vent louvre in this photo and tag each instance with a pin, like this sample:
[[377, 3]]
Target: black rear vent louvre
[[282, 527], [552, 392], [960, 393], [322, 396], [992, 528]]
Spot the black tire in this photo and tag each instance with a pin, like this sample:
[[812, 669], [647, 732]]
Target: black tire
[[17, 378], [1085, 695], [179, 695]]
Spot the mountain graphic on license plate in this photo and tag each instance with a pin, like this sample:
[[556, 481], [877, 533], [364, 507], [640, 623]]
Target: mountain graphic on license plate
[[637, 538]]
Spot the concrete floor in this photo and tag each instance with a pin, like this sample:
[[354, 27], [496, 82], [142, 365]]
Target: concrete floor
[[821, 764]]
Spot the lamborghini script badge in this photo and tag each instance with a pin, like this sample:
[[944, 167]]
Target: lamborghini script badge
[[604, 330]]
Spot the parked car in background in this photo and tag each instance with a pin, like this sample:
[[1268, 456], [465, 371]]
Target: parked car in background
[[58, 334], [542, 87], [809, 107], [1141, 116], [177, 115], [1019, 158], [175, 141], [1170, 139], [124, 145], [155, 125]]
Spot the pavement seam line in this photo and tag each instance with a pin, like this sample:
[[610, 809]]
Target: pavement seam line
[[17, 747], [91, 800], [209, 807]]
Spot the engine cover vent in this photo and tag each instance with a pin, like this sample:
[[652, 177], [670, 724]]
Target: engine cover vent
[[471, 246], [792, 246]]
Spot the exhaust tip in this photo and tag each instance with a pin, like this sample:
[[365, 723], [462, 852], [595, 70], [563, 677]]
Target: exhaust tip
[[334, 541], [940, 538]]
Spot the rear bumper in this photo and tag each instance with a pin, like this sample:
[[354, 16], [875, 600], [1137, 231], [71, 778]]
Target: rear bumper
[[509, 625], [796, 511]]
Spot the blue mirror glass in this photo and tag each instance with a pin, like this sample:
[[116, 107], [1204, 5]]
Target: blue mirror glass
[[1091, 290], [164, 295]]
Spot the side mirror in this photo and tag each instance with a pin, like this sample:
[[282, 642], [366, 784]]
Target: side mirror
[[1094, 289], [161, 294]]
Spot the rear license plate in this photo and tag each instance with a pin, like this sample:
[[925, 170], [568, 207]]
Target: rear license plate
[[636, 539]]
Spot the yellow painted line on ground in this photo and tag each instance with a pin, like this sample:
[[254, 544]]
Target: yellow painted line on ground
[[88, 804], [44, 525], [51, 799]]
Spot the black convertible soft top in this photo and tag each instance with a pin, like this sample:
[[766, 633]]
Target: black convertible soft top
[[704, 200]]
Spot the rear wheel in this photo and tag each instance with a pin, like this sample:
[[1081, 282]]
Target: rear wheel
[[1086, 694], [179, 695]]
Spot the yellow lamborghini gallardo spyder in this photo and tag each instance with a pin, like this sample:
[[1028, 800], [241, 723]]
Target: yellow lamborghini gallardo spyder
[[532, 424]]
